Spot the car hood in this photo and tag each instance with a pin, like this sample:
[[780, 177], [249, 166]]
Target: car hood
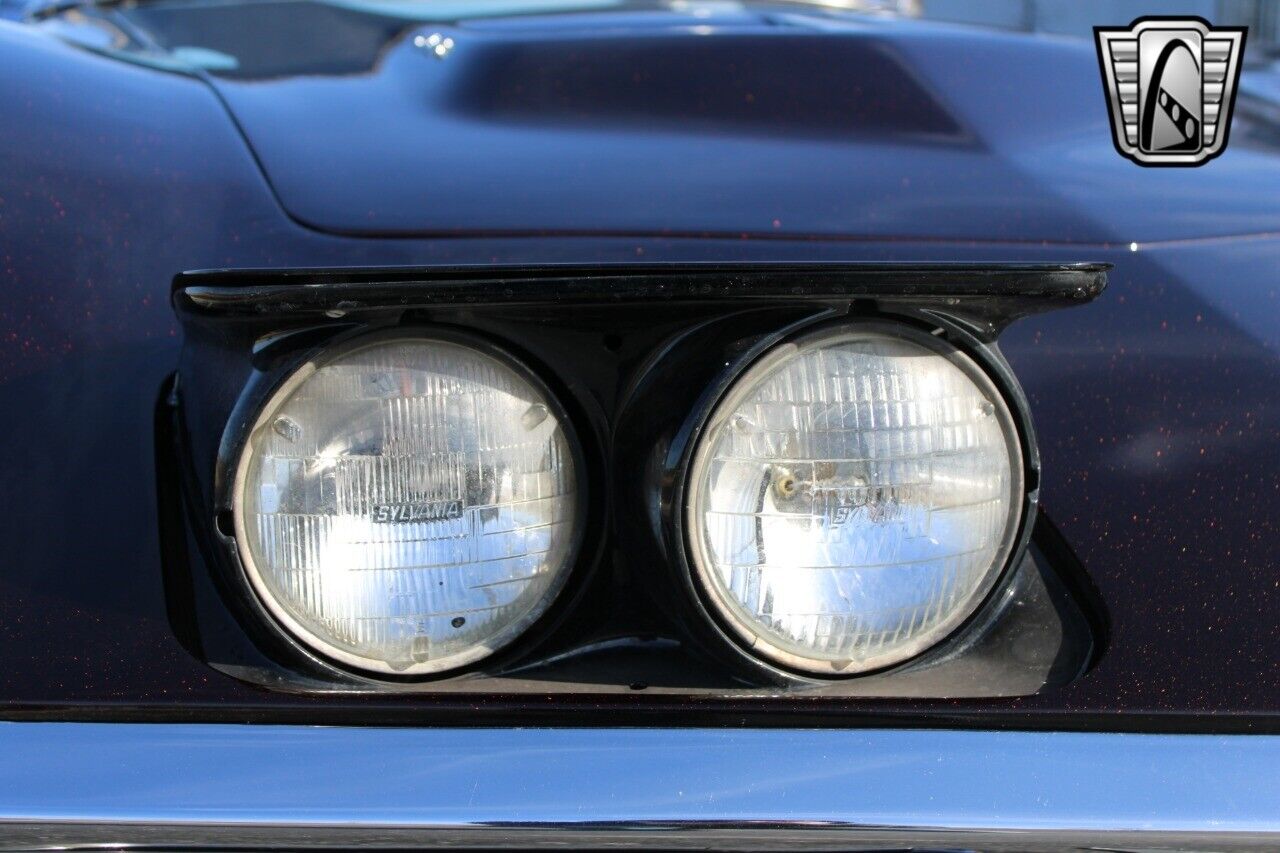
[[719, 119]]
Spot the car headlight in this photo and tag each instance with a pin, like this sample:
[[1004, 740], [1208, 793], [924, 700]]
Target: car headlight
[[853, 499], [408, 505]]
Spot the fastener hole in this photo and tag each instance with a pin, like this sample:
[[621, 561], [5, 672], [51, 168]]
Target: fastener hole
[[226, 522]]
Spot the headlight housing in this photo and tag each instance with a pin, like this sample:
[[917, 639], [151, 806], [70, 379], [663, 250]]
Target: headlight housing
[[853, 498], [408, 505], [640, 355]]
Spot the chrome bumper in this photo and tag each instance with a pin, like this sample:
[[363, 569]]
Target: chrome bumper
[[167, 785]]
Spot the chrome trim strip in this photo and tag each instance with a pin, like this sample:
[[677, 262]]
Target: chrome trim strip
[[69, 784]]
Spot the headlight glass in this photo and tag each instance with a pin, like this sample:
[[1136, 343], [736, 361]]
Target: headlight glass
[[853, 499], [407, 506]]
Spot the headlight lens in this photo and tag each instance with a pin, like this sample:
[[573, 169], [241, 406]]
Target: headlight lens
[[853, 499], [407, 506]]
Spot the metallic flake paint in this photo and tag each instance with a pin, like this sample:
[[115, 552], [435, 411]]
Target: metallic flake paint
[[1156, 407]]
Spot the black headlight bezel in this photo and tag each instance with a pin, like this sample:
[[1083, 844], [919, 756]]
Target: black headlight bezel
[[637, 355]]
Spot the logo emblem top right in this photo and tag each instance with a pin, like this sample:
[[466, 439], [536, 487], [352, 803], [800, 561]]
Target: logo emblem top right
[[1171, 84]]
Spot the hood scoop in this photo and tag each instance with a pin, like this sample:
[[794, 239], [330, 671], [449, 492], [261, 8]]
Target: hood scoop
[[624, 122]]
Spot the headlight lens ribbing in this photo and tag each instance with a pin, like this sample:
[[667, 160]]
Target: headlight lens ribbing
[[853, 498], [408, 506]]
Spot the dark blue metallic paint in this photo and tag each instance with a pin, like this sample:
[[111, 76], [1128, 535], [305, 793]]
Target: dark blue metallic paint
[[779, 125], [1155, 406]]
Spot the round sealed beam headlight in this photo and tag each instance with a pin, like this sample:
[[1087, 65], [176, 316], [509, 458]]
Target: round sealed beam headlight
[[408, 505], [854, 497]]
